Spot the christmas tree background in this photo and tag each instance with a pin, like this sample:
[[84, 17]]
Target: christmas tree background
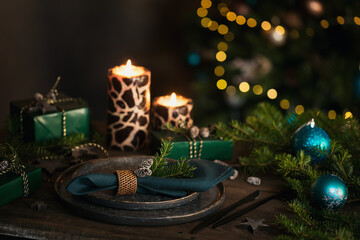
[[296, 54]]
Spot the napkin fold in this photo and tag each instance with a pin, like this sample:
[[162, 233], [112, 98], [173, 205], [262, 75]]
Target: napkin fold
[[206, 176]]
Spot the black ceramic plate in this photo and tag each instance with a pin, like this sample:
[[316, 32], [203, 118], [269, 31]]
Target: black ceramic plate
[[130, 202], [206, 203]]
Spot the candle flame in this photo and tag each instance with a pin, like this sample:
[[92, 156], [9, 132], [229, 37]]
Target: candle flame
[[128, 65], [128, 70], [173, 100]]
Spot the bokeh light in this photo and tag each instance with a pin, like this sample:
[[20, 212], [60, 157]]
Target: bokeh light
[[223, 29], [241, 20], [206, 22], [213, 26], [244, 87], [280, 30], [219, 71], [222, 46], [231, 16], [221, 84], [348, 114], [272, 93], [299, 109], [257, 89], [202, 12], [285, 104], [221, 56], [206, 3], [340, 20], [251, 22], [230, 90], [324, 24], [265, 25], [332, 114]]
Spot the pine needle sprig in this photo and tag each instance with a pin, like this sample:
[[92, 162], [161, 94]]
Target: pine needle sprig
[[268, 133], [160, 168]]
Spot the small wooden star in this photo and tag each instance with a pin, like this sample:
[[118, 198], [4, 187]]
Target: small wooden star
[[252, 225]]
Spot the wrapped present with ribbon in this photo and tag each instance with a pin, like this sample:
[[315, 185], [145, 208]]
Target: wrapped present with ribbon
[[50, 117], [193, 143], [17, 180], [127, 181]]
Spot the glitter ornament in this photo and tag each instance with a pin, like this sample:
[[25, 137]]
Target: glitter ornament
[[329, 192], [314, 141]]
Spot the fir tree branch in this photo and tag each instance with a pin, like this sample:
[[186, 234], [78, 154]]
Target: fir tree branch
[[161, 168]]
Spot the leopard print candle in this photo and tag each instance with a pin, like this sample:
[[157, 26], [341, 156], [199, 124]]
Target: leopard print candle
[[128, 107], [171, 109]]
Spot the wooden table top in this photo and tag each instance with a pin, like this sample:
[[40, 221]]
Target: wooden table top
[[17, 219]]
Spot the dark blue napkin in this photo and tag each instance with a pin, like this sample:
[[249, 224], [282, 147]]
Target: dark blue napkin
[[206, 176]]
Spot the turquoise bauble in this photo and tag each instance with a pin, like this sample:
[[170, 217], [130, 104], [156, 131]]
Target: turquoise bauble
[[314, 141], [329, 192]]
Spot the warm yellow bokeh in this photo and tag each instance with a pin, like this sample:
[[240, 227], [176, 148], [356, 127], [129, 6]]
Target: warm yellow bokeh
[[202, 12], [280, 30], [332, 114], [257, 89], [206, 3], [230, 90], [348, 115], [251, 22], [285, 104], [223, 29], [340, 20], [231, 16], [206, 22], [221, 84], [272, 93], [222, 46], [265, 25], [219, 71], [244, 87], [299, 109], [324, 24], [241, 20], [221, 56]]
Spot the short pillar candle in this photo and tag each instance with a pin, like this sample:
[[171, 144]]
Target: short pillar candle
[[174, 109], [128, 113]]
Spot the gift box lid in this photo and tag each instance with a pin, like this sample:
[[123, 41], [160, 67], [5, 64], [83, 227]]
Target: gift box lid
[[30, 109]]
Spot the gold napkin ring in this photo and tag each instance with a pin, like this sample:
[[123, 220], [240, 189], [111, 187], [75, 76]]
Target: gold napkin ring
[[127, 182]]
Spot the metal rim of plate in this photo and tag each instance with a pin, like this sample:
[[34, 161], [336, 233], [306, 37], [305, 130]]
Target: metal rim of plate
[[131, 202], [205, 204]]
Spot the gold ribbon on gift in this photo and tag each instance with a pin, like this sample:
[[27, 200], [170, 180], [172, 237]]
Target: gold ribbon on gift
[[194, 153], [127, 182], [18, 169]]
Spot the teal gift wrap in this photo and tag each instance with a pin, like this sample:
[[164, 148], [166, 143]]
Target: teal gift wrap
[[12, 186], [211, 149], [30, 121]]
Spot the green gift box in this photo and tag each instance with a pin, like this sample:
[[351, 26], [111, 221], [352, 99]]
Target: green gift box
[[11, 184], [211, 148], [39, 126]]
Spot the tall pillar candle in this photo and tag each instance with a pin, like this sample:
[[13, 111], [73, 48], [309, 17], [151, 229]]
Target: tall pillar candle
[[174, 109], [128, 113]]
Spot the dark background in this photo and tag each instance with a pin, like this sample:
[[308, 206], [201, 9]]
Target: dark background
[[80, 40]]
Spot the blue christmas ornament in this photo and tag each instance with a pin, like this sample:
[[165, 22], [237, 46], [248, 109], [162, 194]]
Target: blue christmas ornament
[[313, 140], [329, 192]]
